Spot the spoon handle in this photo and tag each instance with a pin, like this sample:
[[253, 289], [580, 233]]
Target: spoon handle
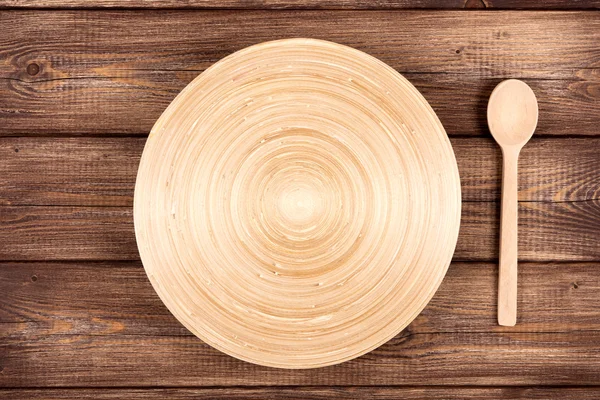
[[507, 282]]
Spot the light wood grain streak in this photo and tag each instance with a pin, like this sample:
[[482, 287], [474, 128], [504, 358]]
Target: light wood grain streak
[[103, 72], [549, 231], [101, 171], [308, 4], [309, 393], [116, 298], [449, 359]]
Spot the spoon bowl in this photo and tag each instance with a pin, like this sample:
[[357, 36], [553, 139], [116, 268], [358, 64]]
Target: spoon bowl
[[512, 113]]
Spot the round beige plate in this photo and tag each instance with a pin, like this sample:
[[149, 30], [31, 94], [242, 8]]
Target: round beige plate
[[298, 204]]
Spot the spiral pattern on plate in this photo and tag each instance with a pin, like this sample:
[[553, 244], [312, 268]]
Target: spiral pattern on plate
[[297, 204]]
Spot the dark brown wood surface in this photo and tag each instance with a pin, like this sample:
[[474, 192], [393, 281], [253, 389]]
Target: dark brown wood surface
[[103, 73], [79, 91], [311, 393], [86, 171], [308, 4], [564, 231], [106, 298]]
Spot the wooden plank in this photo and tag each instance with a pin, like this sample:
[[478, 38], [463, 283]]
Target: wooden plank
[[547, 231], [559, 170], [409, 359], [308, 4], [48, 233], [102, 171], [69, 171], [130, 101], [116, 298], [312, 393], [94, 298], [108, 72]]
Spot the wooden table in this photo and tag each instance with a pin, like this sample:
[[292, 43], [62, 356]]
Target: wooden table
[[81, 84]]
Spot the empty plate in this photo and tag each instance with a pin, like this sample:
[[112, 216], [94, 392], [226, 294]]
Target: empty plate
[[298, 204]]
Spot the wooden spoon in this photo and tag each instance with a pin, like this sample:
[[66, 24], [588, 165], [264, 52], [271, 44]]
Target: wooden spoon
[[512, 116]]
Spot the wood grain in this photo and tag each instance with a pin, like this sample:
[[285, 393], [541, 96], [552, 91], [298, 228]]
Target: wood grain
[[116, 298], [409, 359], [87, 171], [310, 393], [41, 232], [309, 4], [106, 72], [60, 171], [550, 170], [549, 231]]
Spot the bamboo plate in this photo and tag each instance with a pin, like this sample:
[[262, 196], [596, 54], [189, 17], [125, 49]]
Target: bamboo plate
[[297, 205]]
